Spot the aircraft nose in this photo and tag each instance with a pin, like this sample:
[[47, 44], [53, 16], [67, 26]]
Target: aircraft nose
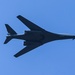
[[73, 37]]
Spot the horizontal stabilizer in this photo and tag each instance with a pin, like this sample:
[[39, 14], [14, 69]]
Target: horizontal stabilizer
[[7, 40]]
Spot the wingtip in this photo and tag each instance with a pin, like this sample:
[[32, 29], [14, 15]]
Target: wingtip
[[18, 16], [5, 42], [15, 56], [6, 24]]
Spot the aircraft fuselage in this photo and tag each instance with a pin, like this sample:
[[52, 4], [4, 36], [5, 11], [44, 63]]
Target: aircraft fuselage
[[43, 37], [34, 38]]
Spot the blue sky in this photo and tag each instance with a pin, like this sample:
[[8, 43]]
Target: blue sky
[[54, 58]]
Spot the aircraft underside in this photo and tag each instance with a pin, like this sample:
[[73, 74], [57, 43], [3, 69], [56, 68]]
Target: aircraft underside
[[34, 38]]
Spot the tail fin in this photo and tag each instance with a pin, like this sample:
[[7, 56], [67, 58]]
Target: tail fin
[[10, 32]]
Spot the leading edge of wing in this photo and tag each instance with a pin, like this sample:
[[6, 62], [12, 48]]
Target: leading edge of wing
[[26, 49], [29, 24]]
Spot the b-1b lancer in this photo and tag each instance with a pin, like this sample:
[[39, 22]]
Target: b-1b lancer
[[35, 37]]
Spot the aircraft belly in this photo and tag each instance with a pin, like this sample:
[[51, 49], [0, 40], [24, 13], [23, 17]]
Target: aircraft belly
[[34, 37]]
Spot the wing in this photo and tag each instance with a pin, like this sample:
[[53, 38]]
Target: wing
[[29, 24], [26, 49]]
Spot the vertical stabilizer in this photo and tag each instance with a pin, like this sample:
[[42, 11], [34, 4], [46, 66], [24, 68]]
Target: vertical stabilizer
[[10, 32]]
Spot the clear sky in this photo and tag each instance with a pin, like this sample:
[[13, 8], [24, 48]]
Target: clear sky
[[54, 58]]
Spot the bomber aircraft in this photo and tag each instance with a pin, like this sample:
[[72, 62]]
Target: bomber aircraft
[[34, 37]]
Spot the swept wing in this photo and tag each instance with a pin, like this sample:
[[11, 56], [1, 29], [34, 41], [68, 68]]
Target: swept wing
[[29, 24], [27, 49]]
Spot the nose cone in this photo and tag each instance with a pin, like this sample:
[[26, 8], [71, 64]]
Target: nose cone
[[73, 37]]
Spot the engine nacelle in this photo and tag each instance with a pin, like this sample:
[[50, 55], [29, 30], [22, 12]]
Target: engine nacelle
[[33, 32], [28, 43], [26, 32]]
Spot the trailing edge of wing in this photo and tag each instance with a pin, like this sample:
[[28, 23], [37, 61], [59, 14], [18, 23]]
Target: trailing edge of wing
[[26, 49], [29, 24]]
